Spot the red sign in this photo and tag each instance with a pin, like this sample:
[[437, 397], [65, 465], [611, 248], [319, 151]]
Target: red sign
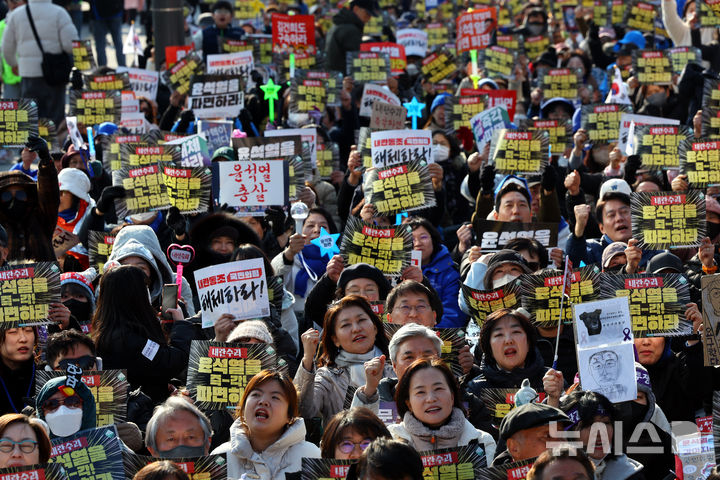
[[475, 29], [396, 52], [291, 33], [176, 53]]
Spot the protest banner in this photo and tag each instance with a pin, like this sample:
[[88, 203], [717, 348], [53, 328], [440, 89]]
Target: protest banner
[[482, 303], [500, 401], [395, 51], [494, 235], [99, 248], [266, 148], [175, 53], [387, 249], [218, 372], [178, 76], [628, 120], [439, 65], [438, 34], [108, 387], [235, 288], [485, 123], [559, 82], [700, 161], [45, 471], [27, 292], [711, 319], [63, 240], [400, 187], [658, 145], [48, 132], [143, 82], [144, 154], [496, 98], [681, 56], [209, 467], [368, 67], [216, 96], [536, 46], [498, 61], [374, 93], [111, 148], [559, 133], [216, 132], [414, 40], [332, 83], [663, 220], [89, 454], [541, 294], [325, 468], [602, 121], [393, 147], [308, 137], [652, 67], [193, 151], [609, 370], [113, 81], [248, 183], [454, 463], [617, 12], [708, 13], [459, 111], [307, 95], [230, 45], [188, 189], [512, 42], [83, 58], [475, 29], [657, 302], [93, 108], [519, 152], [18, 120], [293, 33], [640, 16], [235, 64], [144, 190], [387, 117], [328, 159]]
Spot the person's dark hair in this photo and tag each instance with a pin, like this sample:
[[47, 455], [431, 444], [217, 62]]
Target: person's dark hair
[[565, 453], [532, 246], [587, 62], [390, 459], [454, 145], [161, 470], [246, 251], [360, 419], [402, 391], [63, 342], [606, 198], [326, 214], [588, 405], [412, 286], [329, 349], [43, 441], [714, 474], [122, 304], [496, 316], [265, 376], [416, 222]]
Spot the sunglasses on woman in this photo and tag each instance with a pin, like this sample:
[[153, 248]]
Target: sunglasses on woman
[[346, 446], [26, 446], [73, 401]]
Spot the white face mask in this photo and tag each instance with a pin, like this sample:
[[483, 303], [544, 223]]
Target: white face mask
[[64, 421], [504, 280], [440, 152]]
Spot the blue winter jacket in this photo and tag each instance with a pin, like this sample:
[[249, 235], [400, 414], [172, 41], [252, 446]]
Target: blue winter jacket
[[445, 279]]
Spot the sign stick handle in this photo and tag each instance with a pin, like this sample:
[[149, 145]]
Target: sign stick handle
[[179, 276], [292, 65], [557, 336], [474, 60]]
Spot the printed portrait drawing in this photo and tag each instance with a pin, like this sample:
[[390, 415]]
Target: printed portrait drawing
[[592, 321], [711, 295], [605, 369]]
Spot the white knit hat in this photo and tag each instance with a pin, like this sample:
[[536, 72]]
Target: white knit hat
[[250, 329], [76, 182]]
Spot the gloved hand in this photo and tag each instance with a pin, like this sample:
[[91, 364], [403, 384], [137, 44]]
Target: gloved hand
[[548, 180], [487, 179], [632, 165], [108, 196], [276, 217], [176, 221], [39, 146], [76, 79]]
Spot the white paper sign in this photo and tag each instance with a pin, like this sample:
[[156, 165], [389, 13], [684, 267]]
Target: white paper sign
[[143, 82], [238, 288], [486, 122], [602, 322], [414, 40], [236, 63], [130, 104], [393, 147], [627, 118], [308, 135], [609, 370], [251, 183], [134, 122], [373, 93], [416, 258]]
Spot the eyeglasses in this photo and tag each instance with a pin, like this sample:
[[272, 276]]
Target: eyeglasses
[[347, 446], [26, 446], [419, 309], [7, 197], [73, 401], [86, 362]]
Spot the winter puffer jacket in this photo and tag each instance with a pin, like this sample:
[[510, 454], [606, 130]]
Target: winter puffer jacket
[[445, 279], [619, 467], [491, 376], [344, 36], [281, 458]]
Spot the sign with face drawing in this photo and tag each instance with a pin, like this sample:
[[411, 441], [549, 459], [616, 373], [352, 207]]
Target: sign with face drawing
[[711, 319], [609, 370], [602, 322]]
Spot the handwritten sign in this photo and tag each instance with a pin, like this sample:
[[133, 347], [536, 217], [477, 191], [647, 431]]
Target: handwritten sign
[[375, 93], [711, 319], [387, 117], [517, 151], [485, 123], [251, 183], [18, 120], [292, 33], [27, 291], [63, 240], [668, 220], [387, 249], [89, 454]]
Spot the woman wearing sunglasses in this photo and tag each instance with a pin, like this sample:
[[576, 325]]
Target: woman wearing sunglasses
[[349, 433], [23, 441], [66, 406]]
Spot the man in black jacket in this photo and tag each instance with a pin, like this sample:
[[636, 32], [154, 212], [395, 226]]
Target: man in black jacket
[[346, 32]]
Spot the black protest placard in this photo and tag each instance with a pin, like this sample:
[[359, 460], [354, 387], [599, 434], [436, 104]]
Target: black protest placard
[[559, 82], [454, 463], [368, 67], [99, 248], [145, 154], [519, 152], [144, 190], [230, 45], [459, 111], [307, 94], [602, 12], [112, 81], [659, 145], [387, 249], [439, 65], [83, 55], [617, 12], [512, 42], [90, 454], [508, 471], [46, 471], [640, 16], [711, 108], [111, 149], [602, 121], [700, 161], [216, 96], [324, 468], [48, 132], [438, 34], [210, 467], [108, 387], [482, 303], [403, 187], [662, 220], [96, 107], [365, 146], [542, 293], [657, 302], [178, 76], [498, 61], [453, 340], [267, 148], [27, 290], [188, 189], [18, 120], [500, 401], [653, 67], [328, 159], [559, 133], [536, 46], [218, 372], [708, 13], [333, 84], [681, 56]]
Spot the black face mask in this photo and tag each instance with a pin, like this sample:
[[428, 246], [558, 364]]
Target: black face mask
[[80, 310], [631, 413], [713, 229], [15, 206]]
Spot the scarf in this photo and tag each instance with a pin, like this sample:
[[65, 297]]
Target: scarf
[[425, 438], [355, 364], [68, 219], [312, 260]]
